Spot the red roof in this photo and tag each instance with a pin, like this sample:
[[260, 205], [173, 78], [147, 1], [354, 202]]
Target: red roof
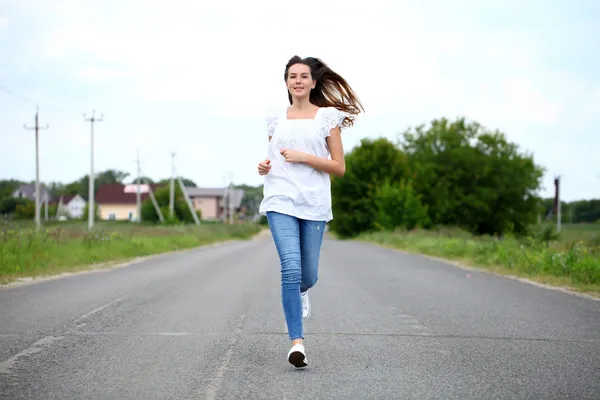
[[67, 199], [116, 194]]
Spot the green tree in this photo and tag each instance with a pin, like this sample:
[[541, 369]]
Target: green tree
[[56, 189], [25, 210], [8, 205], [473, 178], [586, 210], [186, 182], [81, 186], [86, 211], [162, 195], [253, 195], [8, 186], [143, 180], [398, 206], [368, 166]]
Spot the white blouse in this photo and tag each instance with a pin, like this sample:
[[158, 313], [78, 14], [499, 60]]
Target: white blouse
[[294, 188]]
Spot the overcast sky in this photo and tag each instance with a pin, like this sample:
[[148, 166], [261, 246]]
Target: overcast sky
[[196, 78]]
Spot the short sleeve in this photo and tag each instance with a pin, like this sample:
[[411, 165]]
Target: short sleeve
[[271, 118], [331, 118]]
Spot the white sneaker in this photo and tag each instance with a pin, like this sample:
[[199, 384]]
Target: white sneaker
[[296, 356], [305, 304]]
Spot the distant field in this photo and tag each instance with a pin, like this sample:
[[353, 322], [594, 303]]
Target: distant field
[[570, 233], [570, 260], [68, 246]]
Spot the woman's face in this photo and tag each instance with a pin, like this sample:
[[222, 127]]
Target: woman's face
[[299, 81]]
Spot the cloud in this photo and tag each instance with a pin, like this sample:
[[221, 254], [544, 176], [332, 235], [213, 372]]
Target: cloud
[[99, 74], [184, 77]]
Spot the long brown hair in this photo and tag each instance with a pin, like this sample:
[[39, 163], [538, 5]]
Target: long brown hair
[[331, 89]]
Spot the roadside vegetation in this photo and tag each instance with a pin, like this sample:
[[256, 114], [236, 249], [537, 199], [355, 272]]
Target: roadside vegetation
[[450, 189], [570, 260], [458, 191], [69, 246]]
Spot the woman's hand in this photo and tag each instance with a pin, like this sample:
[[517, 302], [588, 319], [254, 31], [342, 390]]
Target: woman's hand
[[293, 156], [264, 167]]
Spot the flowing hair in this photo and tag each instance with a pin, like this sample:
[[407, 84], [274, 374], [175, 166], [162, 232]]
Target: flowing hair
[[331, 90]]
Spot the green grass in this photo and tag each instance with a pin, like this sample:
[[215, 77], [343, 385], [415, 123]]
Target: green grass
[[66, 247], [572, 260]]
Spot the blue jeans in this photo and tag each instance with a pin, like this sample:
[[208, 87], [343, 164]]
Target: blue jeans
[[298, 243]]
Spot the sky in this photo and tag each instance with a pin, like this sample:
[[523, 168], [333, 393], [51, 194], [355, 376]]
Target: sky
[[196, 78]]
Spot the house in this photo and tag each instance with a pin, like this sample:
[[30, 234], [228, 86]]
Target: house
[[71, 206], [27, 191], [119, 202], [214, 202]]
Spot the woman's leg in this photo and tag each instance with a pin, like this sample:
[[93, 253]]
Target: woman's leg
[[286, 235], [311, 238]]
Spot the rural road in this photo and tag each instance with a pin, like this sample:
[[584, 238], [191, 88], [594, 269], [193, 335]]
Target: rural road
[[207, 324]]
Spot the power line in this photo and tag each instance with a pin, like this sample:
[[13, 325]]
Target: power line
[[4, 89], [47, 106]]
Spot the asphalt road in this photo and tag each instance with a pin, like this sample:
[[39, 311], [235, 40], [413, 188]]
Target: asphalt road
[[207, 324]]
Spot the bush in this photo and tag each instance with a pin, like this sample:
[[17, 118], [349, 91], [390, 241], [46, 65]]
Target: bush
[[181, 210], [25, 210], [8, 205], [578, 264], [368, 166], [86, 211], [398, 206], [449, 174]]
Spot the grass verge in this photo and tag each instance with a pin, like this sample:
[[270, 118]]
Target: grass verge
[[573, 263], [70, 247]]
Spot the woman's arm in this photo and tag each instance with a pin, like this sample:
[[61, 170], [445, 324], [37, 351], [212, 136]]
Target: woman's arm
[[337, 165]]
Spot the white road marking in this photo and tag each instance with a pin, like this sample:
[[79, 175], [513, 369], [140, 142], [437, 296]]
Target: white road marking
[[97, 310], [38, 346], [217, 380]]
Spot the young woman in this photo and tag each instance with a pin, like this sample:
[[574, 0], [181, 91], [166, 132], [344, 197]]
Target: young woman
[[304, 148]]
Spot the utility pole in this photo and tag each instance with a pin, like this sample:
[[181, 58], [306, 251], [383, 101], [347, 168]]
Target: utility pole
[[38, 222], [188, 200], [225, 198], [172, 189], [138, 193], [91, 207], [154, 202], [231, 194], [557, 202]]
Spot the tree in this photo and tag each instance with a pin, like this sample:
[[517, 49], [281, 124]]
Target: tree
[[81, 186], [253, 195], [86, 211], [25, 210], [8, 186], [162, 196], [368, 166], [398, 206], [586, 210], [472, 178], [8, 205], [143, 180], [56, 189], [186, 182]]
